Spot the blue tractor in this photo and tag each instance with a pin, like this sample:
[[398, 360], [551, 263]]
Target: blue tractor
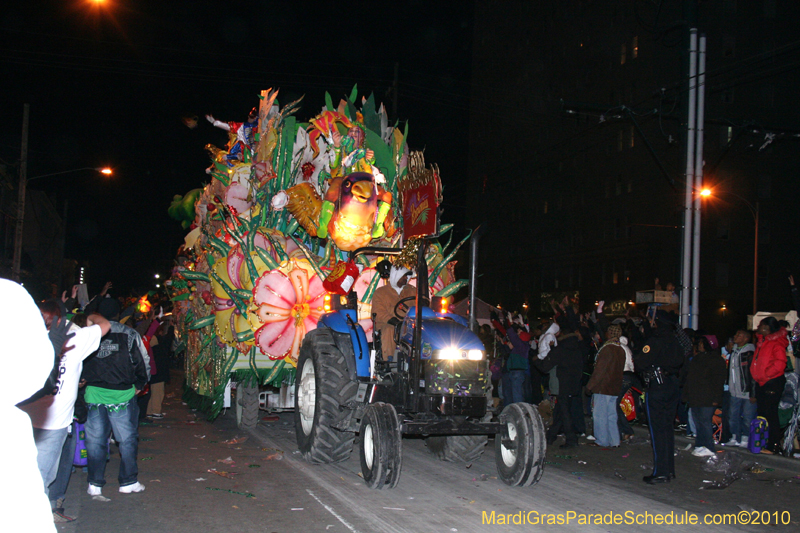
[[434, 385]]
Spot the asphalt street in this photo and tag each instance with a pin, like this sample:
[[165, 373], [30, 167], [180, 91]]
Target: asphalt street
[[210, 477]]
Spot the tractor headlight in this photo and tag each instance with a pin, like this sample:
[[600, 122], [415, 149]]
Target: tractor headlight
[[459, 355], [449, 353]]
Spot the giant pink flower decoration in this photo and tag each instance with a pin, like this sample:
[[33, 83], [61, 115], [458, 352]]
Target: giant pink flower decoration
[[290, 301]]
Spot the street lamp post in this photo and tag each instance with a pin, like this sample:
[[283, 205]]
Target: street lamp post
[[23, 186]]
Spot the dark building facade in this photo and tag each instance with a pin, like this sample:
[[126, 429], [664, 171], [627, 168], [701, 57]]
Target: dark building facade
[[578, 140]]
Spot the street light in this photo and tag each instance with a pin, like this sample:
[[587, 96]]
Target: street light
[[23, 186], [753, 211]]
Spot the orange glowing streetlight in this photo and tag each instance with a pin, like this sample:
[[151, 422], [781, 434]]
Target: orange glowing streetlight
[[107, 171], [705, 192]]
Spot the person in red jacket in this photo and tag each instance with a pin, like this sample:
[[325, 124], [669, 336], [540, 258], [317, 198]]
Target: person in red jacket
[[769, 364]]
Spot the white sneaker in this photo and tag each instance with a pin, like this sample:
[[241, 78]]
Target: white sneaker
[[702, 451], [732, 442], [135, 487], [94, 490], [744, 442], [590, 438]]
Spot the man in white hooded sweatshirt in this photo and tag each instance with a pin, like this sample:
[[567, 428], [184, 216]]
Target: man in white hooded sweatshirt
[[383, 303], [546, 342]]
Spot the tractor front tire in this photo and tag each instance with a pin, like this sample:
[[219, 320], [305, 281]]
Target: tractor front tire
[[520, 456], [322, 390], [381, 446]]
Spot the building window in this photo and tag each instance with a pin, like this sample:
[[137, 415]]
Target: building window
[[728, 46], [763, 277], [722, 274], [768, 95], [633, 136], [727, 96], [764, 187], [623, 54], [730, 134], [723, 229], [630, 186], [627, 276], [764, 231], [635, 47], [769, 9], [544, 207]]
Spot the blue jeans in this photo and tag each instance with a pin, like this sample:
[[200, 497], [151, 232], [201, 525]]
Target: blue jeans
[[517, 381], [741, 413], [58, 489], [48, 447], [702, 422], [100, 422], [691, 428], [604, 414]]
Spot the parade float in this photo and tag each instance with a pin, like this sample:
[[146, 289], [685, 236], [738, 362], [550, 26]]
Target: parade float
[[270, 235]]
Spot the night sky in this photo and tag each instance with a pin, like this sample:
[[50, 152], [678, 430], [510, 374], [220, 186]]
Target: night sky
[[108, 84]]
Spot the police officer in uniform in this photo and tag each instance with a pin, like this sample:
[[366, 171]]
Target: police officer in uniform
[[659, 362]]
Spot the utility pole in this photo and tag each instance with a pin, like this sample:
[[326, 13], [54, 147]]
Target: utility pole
[[686, 269], [698, 180], [23, 185]]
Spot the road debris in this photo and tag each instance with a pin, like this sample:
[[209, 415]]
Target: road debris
[[246, 494], [229, 475]]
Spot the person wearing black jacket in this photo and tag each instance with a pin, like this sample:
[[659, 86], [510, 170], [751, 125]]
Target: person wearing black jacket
[[567, 356], [704, 378], [114, 375], [660, 361]]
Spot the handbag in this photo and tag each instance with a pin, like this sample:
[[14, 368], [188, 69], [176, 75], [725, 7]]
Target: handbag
[[81, 456]]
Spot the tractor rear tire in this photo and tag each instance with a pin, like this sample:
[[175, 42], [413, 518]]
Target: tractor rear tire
[[466, 448], [246, 406], [322, 390], [520, 458], [381, 446]]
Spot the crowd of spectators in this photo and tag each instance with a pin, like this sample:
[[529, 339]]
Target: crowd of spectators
[[593, 364], [100, 367]]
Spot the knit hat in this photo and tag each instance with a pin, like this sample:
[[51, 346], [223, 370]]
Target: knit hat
[[613, 332], [108, 308]]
